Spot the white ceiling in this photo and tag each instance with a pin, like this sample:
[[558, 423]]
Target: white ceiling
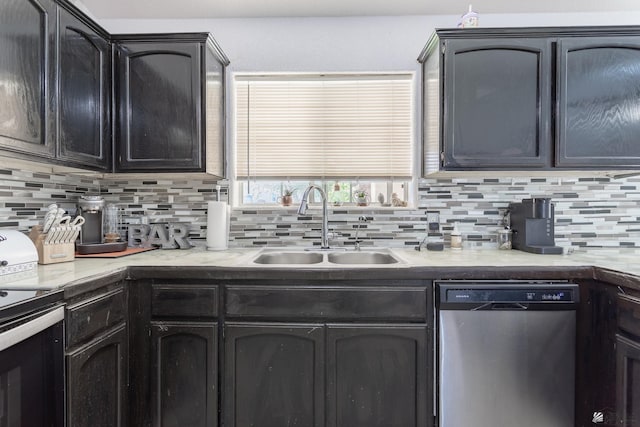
[[204, 9]]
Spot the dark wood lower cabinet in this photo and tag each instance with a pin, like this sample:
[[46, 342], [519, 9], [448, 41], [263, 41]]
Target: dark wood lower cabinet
[[184, 367], [377, 376], [628, 382], [595, 353], [274, 375], [97, 381]]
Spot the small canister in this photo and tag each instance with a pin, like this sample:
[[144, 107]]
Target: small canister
[[504, 239], [112, 224]]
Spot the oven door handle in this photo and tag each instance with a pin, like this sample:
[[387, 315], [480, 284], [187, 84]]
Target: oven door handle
[[20, 333]]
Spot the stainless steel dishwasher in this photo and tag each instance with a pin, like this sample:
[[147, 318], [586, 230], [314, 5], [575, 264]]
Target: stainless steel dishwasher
[[506, 355]]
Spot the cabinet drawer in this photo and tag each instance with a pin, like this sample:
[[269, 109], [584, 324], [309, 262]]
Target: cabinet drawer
[[184, 301], [629, 314], [335, 303], [88, 317]]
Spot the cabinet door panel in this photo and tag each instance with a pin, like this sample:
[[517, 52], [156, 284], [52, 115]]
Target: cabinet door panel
[[27, 76], [184, 300], [377, 376], [160, 105], [497, 103], [89, 317], [184, 374], [274, 375], [214, 118], [628, 381], [85, 101], [338, 303], [97, 382], [598, 99]]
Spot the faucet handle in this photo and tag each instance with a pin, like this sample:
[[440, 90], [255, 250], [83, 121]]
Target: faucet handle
[[336, 234]]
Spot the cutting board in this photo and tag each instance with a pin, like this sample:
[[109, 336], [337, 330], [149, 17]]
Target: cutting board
[[128, 251]]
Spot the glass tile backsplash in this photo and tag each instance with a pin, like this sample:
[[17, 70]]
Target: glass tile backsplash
[[591, 211]]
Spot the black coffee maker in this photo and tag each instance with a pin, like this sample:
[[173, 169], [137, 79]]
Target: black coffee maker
[[532, 223], [91, 208]]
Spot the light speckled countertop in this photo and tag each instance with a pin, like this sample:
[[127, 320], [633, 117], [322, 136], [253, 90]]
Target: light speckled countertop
[[85, 269]]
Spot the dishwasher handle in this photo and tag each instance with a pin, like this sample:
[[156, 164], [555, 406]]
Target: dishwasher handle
[[512, 306]]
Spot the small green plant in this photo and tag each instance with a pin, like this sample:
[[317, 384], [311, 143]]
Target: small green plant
[[288, 192], [362, 197]]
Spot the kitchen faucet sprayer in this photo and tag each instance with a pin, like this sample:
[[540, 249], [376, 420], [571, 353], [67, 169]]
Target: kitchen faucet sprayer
[[361, 219], [304, 204]]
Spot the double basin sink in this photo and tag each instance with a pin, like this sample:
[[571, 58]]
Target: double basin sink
[[289, 257]]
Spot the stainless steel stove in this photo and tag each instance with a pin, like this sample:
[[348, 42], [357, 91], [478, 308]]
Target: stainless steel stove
[[31, 358]]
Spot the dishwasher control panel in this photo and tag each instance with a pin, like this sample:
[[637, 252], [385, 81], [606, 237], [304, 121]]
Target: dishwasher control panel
[[508, 295], [469, 295]]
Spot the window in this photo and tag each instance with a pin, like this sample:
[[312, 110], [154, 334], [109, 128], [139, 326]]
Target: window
[[354, 129], [339, 192]]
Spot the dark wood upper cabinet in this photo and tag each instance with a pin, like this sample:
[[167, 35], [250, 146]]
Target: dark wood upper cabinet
[[598, 100], [57, 91], [531, 98], [84, 104], [170, 103], [28, 70], [497, 103]]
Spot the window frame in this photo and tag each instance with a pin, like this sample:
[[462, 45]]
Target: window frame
[[409, 185]]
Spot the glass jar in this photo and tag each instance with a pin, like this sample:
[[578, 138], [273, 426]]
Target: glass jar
[[111, 224], [504, 239]]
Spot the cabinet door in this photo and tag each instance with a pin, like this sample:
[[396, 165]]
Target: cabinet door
[[274, 375], [628, 381], [598, 100], [84, 119], [184, 374], [497, 103], [214, 117], [97, 382], [160, 106], [378, 376], [27, 76]]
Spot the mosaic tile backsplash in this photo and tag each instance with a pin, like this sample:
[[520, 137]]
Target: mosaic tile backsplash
[[591, 211]]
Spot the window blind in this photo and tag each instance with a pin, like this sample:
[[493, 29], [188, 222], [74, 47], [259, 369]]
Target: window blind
[[324, 126]]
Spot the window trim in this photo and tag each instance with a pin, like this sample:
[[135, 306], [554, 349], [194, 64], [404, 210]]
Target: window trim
[[411, 187]]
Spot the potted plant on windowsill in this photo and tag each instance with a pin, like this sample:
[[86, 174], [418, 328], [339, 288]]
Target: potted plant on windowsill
[[361, 197], [287, 197]]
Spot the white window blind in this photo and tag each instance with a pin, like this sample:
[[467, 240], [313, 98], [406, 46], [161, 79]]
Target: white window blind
[[324, 126]]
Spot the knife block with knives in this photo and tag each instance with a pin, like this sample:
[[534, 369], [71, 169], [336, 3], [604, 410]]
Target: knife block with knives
[[54, 246]]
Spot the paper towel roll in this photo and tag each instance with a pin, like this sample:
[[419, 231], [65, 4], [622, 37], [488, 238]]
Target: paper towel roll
[[217, 226]]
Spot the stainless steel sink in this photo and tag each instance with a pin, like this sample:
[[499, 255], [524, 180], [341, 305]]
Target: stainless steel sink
[[289, 258], [361, 258], [326, 258]]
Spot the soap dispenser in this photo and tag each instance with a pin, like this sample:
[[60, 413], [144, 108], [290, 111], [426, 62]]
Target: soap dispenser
[[456, 238]]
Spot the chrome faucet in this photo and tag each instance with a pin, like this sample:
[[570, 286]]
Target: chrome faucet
[[304, 204]]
